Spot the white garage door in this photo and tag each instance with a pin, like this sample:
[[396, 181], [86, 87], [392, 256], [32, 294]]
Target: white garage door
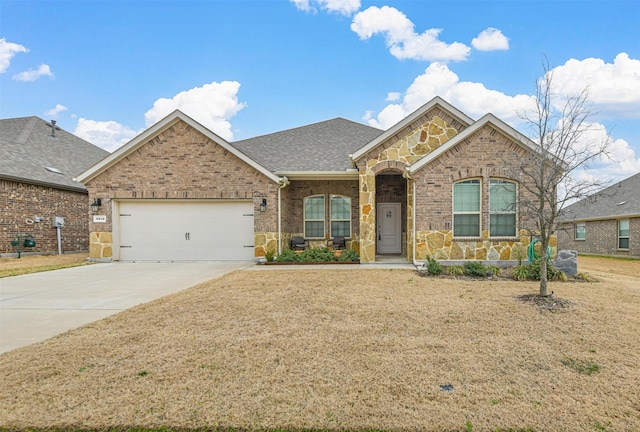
[[185, 231]]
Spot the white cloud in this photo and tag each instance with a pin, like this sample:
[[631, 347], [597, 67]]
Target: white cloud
[[344, 7], [7, 51], [34, 74], [614, 88], [490, 39], [212, 105], [393, 96], [108, 135], [401, 38], [474, 99], [56, 110]]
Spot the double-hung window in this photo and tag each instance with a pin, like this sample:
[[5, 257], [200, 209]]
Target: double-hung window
[[623, 234], [340, 216], [466, 208], [502, 208], [580, 231], [314, 216]]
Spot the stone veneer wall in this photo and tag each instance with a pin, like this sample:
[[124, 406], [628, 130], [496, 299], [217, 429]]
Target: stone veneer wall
[[181, 163], [414, 142]]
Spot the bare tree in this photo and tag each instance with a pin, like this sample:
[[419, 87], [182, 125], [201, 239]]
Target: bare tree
[[548, 177]]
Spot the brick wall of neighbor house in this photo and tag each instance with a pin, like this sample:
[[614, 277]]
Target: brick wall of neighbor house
[[601, 238], [293, 207], [483, 156], [181, 163], [20, 203]]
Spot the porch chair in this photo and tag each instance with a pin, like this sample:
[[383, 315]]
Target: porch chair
[[339, 242], [297, 242]]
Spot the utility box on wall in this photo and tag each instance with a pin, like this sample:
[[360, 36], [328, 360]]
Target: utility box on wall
[[58, 222]]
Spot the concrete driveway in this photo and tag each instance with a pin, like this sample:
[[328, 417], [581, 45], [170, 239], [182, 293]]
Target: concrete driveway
[[38, 306]]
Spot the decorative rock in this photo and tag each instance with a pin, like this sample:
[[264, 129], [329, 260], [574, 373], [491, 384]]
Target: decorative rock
[[567, 261]]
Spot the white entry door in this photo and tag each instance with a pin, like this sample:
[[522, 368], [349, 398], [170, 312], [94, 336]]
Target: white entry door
[[185, 231], [389, 228]]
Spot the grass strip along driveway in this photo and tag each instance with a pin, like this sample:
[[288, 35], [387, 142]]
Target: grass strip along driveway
[[350, 349]]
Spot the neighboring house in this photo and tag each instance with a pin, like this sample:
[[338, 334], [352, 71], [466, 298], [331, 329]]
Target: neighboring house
[[38, 162], [607, 222], [435, 184]]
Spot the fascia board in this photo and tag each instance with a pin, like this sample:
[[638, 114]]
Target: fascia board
[[158, 128], [598, 218], [486, 119], [409, 119], [79, 188], [320, 175]]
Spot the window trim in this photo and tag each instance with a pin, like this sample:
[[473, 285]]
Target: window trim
[[514, 212], [575, 231], [331, 219], [323, 220], [454, 212], [624, 237]]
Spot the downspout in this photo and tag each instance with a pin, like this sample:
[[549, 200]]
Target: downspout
[[417, 264], [282, 183]]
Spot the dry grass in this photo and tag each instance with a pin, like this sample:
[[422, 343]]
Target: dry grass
[[344, 349], [38, 263]]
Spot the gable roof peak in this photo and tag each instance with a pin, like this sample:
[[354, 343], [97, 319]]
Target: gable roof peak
[[435, 102], [160, 126]]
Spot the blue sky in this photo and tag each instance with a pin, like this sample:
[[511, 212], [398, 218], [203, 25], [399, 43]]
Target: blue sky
[[107, 70]]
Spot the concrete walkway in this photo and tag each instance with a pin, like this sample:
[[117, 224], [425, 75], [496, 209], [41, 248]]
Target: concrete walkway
[[38, 306]]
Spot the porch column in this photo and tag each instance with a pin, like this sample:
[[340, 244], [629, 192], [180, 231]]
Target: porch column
[[367, 217]]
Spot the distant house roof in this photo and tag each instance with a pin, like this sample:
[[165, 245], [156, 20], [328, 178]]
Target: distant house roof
[[617, 201], [30, 154], [318, 147]]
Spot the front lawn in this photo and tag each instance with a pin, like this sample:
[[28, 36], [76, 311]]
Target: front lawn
[[342, 349]]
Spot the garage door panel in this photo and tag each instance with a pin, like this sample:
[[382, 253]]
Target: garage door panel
[[186, 231]]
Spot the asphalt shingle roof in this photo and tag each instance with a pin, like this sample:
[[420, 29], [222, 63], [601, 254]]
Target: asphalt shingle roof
[[323, 146], [27, 147], [619, 200]]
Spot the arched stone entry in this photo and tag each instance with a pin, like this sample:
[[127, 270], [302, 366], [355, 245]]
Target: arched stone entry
[[391, 211]]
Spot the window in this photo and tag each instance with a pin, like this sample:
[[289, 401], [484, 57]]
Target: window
[[623, 234], [340, 216], [314, 216], [466, 208], [580, 231], [502, 208]]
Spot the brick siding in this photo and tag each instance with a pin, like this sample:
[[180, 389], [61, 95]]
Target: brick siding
[[181, 163], [601, 238], [484, 155], [20, 203]]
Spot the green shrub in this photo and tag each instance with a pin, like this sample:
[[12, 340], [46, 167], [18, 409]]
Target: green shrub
[[318, 255], [349, 255], [474, 268], [494, 270], [455, 270], [434, 267], [521, 273], [532, 272], [270, 255], [288, 256]]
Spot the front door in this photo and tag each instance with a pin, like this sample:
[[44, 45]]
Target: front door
[[389, 228]]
